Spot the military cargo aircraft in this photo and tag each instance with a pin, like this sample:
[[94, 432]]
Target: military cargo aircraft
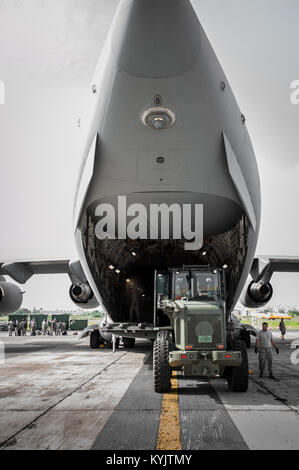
[[164, 131]]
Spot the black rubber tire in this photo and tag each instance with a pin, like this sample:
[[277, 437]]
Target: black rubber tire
[[247, 339], [109, 344], [129, 343], [95, 339], [161, 367], [238, 377]]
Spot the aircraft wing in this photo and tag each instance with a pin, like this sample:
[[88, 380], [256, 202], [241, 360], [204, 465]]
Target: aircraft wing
[[22, 271], [263, 267]]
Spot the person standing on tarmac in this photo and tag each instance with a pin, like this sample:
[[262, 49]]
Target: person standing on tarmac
[[10, 327], [55, 326], [63, 328], [17, 327], [44, 328], [263, 346], [24, 327], [282, 328], [33, 327]]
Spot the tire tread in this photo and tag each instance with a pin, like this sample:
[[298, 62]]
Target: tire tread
[[238, 377], [162, 370]]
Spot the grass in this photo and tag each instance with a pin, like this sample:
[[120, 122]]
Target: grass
[[274, 324]]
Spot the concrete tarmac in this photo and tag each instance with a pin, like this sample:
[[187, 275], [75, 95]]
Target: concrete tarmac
[[56, 393]]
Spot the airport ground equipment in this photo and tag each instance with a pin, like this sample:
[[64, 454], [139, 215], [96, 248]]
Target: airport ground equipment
[[202, 339], [78, 325], [125, 334], [191, 329]]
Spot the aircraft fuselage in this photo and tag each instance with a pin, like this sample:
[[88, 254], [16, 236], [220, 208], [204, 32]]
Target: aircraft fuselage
[[165, 128]]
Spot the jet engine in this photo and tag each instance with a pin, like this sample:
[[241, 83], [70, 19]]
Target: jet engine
[[83, 296], [257, 294], [11, 297]]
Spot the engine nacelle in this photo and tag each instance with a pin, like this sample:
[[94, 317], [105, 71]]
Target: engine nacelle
[[11, 298], [257, 294], [83, 296]]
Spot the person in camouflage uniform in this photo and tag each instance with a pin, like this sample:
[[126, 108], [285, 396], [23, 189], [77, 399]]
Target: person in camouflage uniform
[[263, 346]]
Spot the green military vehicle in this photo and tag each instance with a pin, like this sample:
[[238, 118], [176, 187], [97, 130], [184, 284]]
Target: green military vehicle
[[203, 340], [191, 329], [78, 325]]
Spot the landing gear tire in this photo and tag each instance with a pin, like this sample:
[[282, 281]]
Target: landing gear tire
[[129, 343], [162, 369], [95, 339], [238, 377]]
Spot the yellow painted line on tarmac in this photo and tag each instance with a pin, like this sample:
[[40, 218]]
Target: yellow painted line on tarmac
[[169, 437]]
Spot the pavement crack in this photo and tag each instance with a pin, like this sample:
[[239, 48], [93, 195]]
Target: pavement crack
[[282, 400], [12, 439]]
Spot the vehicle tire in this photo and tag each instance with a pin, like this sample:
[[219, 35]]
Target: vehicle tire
[[247, 339], [161, 367], [238, 377], [109, 344], [129, 343], [95, 339]]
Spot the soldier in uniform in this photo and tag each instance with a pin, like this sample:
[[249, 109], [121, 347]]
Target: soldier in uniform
[[10, 327], [33, 327], [263, 346], [51, 324], [134, 307], [55, 326], [44, 327], [24, 327], [282, 328], [17, 327]]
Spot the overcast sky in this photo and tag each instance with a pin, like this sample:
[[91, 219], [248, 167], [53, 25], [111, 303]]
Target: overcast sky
[[48, 52]]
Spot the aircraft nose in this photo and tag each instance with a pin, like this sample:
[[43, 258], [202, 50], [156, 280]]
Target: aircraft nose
[[156, 39]]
